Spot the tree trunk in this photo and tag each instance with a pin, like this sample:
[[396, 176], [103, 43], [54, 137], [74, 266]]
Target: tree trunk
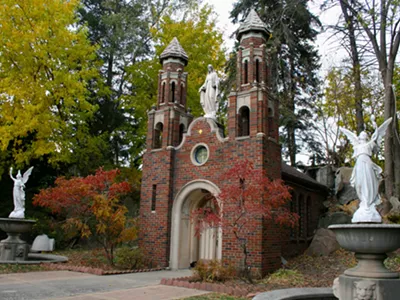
[[291, 145], [349, 19], [392, 146], [291, 107]]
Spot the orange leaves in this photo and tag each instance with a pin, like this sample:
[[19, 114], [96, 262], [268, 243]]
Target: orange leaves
[[76, 195], [92, 206]]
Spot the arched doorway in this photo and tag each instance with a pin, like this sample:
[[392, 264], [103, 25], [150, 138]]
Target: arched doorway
[[185, 246]]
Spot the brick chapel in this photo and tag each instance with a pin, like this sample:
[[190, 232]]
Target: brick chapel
[[185, 158]]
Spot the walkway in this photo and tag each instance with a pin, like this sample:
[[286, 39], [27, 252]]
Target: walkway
[[65, 285]]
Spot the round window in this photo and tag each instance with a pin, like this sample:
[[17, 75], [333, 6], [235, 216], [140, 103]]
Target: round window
[[200, 154]]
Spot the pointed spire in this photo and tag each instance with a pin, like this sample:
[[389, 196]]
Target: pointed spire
[[174, 49], [252, 23]]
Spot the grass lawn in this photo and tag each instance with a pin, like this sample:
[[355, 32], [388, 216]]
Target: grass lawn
[[11, 268]]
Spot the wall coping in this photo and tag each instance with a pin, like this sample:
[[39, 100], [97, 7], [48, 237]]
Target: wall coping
[[297, 293]]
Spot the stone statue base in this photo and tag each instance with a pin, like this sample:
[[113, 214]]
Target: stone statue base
[[359, 288], [13, 248], [366, 214], [17, 214], [211, 116]]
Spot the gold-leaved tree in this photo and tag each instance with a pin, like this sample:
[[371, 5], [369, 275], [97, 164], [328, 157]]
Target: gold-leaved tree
[[45, 64]]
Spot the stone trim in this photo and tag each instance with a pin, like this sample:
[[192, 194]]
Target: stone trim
[[298, 293], [176, 216], [193, 153]]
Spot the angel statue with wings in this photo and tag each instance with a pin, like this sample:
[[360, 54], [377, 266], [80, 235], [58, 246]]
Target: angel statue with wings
[[366, 174], [19, 193]]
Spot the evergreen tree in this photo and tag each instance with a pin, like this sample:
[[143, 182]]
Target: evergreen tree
[[122, 31]]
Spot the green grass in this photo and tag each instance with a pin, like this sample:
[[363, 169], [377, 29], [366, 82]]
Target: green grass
[[14, 268]]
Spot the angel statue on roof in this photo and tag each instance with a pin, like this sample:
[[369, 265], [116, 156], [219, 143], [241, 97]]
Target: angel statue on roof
[[366, 174], [19, 193]]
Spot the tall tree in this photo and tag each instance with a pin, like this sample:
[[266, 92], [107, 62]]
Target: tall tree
[[338, 108], [350, 25], [294, 63], [380, 22], [122, 31], [46, 62], [198, 35], [348, 28]]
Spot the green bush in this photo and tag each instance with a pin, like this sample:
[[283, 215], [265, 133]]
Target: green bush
[[214, 270], [129, 258]]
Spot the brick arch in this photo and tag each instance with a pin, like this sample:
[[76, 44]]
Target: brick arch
[[183, 205]]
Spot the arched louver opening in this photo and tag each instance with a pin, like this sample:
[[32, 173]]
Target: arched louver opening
[[158, 133], [163, 93], [182, 94], [257, 70], [246, 72], [181, 131], [173, 92], [244, 121]]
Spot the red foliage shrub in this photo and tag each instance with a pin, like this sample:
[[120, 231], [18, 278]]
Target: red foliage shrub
[[91, 206]]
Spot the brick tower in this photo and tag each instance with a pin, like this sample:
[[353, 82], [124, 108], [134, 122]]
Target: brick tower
[[166, 123], [184, 159]]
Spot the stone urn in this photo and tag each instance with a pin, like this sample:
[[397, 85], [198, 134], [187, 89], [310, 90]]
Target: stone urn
[[371, 243], [13, 248]]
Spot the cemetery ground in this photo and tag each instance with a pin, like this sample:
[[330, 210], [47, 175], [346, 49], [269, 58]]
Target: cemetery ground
[[300, 271]]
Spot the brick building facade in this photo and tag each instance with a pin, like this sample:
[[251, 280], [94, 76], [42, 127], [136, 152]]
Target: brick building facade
[[185, 158]]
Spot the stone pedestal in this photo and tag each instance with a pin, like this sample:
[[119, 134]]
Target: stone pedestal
[[369, 280], [359, 288], [13, 248]]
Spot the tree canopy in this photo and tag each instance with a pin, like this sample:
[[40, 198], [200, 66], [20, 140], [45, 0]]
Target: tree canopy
[[46, 63]]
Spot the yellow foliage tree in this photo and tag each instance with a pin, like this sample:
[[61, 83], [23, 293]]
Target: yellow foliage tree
[[199, 36], [45, 64]]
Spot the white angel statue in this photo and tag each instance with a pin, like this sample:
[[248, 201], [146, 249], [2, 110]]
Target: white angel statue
[[19, 193], [366, 174]]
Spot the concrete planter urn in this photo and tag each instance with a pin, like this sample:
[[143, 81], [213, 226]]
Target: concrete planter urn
[[13, 248], [369, 280], [370, 242]]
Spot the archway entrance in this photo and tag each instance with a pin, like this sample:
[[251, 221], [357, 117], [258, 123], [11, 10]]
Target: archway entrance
[[186, 247]]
